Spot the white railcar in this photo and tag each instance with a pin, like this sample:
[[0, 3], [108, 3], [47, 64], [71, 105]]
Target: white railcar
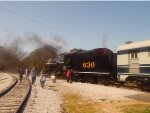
[[133, 62]]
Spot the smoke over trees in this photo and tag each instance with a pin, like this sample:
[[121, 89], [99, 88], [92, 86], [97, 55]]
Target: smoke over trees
[[8, 60], [28, 51], [39, 56]]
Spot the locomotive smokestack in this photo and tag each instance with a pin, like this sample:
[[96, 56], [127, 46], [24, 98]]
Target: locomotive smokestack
[[104, 42]]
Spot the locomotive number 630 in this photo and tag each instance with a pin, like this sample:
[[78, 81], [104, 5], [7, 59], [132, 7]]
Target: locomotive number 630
[[88, 64]]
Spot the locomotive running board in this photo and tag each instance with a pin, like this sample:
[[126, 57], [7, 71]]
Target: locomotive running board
[[91, 73]]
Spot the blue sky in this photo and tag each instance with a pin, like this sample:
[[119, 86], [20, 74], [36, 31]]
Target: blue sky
[[80, 24]]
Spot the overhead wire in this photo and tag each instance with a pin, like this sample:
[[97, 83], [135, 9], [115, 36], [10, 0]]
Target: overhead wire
[[31, 12], [31, 19]]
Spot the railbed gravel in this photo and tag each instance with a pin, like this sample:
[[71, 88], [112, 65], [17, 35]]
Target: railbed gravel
[[48, 100], [44, 100], [5, 80], [101, 93]]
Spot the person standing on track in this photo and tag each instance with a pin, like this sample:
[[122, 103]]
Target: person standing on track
[[42, 78], [27, 72], [33, 75], [21, 72]]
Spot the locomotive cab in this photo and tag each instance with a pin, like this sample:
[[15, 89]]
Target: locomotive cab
[[54, 66]]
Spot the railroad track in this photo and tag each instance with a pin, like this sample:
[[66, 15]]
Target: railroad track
[[14, 99], [9, 87]]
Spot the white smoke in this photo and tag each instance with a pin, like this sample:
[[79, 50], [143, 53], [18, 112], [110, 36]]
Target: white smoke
[[58, 43]]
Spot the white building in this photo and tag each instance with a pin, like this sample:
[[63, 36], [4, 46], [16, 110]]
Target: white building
[[133, 60]]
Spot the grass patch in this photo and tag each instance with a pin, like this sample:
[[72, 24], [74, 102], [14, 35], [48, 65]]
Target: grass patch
[[136, 108], [73, 103]]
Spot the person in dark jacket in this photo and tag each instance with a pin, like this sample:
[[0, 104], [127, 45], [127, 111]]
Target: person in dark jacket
[[21, 72], [33, 75]]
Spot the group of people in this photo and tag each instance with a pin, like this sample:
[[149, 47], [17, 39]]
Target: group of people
[[33, 73], [27, 72]]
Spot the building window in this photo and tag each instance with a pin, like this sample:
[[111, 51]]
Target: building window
[[134, 54], [148, 52]]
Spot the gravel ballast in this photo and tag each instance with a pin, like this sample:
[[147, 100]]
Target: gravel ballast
[[48, 100], [5, 80]]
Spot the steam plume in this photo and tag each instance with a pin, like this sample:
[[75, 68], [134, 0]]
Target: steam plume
[[23, 45]]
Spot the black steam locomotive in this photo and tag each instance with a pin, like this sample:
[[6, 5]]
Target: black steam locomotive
[[97, 65]]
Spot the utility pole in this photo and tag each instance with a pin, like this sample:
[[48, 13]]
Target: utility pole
[[115, 49], [104, 42]]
